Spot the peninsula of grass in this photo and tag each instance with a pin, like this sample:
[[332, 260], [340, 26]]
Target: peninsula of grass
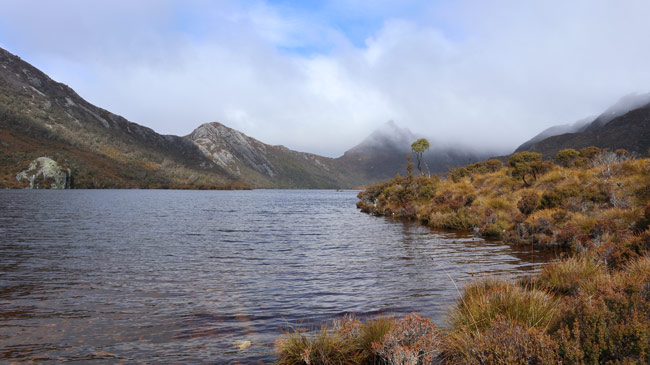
[[592, 306]]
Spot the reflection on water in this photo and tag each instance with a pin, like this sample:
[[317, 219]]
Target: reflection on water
[[150, 276]]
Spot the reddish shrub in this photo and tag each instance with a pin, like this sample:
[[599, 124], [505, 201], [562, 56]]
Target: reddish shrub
[[609, 327], [413, 340], [528, 203]]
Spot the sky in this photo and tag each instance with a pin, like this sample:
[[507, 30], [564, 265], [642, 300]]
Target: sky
[[319, 76]]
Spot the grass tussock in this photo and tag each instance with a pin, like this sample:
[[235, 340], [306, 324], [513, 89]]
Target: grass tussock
[[409, 340], [326, 346], [487, 300], [571, 275]]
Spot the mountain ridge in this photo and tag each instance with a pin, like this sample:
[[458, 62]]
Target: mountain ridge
[[623, 125]]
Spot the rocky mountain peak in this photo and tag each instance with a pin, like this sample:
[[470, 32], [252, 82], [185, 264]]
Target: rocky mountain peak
[[389, 136], [231, 149]]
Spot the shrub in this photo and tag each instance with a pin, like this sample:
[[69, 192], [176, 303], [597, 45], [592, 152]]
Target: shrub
[[622, 152], [567, 236], [462, 220], [457, 174], [610, 327], [493, 165], [527, 164], [555, 198], [567, 156], [528, 203], [492, 230], [486, 300], [413, 340], [505, 342], [589, 152]]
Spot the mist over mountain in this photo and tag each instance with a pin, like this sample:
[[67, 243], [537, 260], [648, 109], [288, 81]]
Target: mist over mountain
[[624, 125], [554, 131], [622, 106], [383, 154], [40, 117]]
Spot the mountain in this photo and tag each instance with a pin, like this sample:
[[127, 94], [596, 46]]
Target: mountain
[[622, 106], [555, 131], [264, 165], [41, 117], [383, 154], [624, 125]]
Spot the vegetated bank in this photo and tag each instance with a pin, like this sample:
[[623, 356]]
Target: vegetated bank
[[592, 306]]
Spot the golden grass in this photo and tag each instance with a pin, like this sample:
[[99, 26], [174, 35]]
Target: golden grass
[[571, 275], [485, 300]]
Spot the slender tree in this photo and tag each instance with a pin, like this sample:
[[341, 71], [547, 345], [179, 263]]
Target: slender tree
[[418, 148]]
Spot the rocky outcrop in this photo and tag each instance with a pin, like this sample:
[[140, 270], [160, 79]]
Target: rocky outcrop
[[45, 173], [232, 149]]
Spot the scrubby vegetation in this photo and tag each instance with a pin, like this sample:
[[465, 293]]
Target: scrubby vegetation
[[593, 196], [591, 306]]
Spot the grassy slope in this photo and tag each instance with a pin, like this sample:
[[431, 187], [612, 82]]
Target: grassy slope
[[590, 307]]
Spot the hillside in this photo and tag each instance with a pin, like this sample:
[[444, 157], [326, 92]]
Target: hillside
[[624, 125], [41, 117]]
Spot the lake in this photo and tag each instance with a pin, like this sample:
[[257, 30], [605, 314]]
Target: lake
[[179, 276]]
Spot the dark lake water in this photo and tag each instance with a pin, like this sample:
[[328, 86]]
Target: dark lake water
[[179, 276]]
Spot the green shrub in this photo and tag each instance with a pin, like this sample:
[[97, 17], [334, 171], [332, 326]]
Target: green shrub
[[567, 156], [527, 166], [462, 220]]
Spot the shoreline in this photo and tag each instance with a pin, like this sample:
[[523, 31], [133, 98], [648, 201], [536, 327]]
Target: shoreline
[[597, 207]]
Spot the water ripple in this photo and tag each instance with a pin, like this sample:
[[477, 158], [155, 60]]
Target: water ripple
[[178, 276]]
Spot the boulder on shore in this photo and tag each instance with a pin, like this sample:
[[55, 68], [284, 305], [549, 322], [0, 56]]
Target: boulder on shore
[[45, 173]]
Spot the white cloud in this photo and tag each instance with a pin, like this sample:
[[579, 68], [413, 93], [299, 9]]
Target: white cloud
[[469, 72]]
